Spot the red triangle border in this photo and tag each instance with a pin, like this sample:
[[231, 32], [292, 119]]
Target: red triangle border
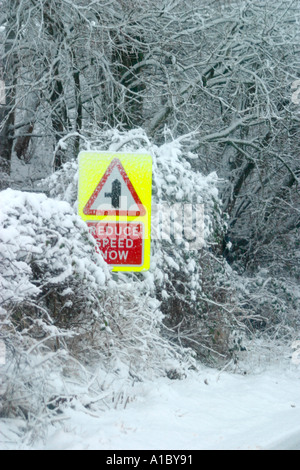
[[87, 209]]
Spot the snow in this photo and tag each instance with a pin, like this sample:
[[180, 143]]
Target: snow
[[208, 410], [256, 406]]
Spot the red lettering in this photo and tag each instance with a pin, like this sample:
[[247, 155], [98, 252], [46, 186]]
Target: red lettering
[[121, 243]]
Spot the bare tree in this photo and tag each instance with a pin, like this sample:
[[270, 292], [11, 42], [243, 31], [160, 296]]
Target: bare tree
[[9, 79], [222, 71]]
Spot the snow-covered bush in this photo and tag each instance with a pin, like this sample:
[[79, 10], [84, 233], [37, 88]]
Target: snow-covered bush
[[193, 282], [63, 184], [63, 318], [270, 304], [192, 285], [47, 256], [52, 283]]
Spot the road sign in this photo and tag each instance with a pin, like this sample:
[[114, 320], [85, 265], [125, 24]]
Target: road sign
[[115, 194], [115, 201], [119, 242]]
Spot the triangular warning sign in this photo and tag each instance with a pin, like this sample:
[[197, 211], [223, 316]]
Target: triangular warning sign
[[115, 194]]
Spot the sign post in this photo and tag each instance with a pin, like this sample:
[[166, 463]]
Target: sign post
[[114, 200]]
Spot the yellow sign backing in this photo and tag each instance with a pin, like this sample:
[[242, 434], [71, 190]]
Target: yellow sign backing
[[114, 198]]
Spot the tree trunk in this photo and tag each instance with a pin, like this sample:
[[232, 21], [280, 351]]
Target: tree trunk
[[124, 58], [59, 115]]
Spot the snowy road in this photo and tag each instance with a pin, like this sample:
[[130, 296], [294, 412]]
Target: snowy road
[[206, 411], [289, 442]]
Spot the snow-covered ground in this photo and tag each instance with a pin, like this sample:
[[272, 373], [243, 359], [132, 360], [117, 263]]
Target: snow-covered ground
[[208, 410]]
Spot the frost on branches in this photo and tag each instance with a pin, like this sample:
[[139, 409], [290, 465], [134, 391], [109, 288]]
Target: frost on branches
[[46, 253], [64, 318], [192, 285], [52, 284]]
